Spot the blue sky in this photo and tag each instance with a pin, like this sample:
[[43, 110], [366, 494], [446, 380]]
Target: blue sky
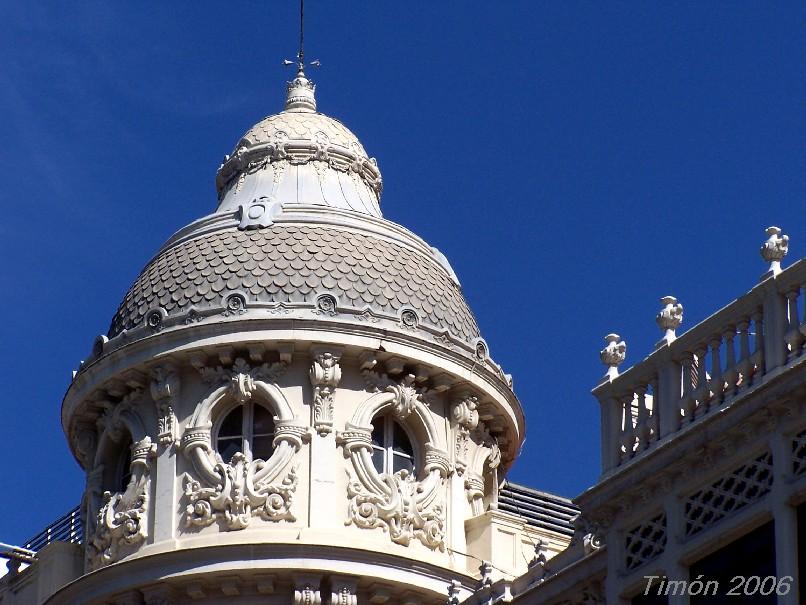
[[574, 160]]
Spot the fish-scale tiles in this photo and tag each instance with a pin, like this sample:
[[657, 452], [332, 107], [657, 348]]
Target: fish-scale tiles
[[295, 263]]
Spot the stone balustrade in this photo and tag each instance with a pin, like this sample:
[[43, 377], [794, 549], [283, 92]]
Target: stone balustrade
[[708, 368]]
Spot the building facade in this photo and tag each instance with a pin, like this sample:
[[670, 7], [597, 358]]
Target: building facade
[[294, 404]]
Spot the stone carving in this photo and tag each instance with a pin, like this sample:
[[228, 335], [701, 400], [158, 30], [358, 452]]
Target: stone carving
[[400, 504], [775, 248], [234, 492], [307, 590], [258, 213], [164, 391], [669, 317], [614, 354], [465, 418], [586, 534], [122, 518], [325, 374], [234, 304], [343, 591], [409, 319], [398, 511], [243, 375], [325, 305], [238, 496]]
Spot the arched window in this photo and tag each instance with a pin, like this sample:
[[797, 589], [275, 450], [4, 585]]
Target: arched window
[[124, 470], [249, 429], [391, 447]]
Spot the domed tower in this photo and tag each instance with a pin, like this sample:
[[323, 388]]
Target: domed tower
[[293, 399]]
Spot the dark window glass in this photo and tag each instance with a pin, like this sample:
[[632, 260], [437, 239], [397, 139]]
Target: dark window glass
[[233, 424], [263, 421], [249, 429], [125, 471], [392, 450], [751, 555], [262, 447]]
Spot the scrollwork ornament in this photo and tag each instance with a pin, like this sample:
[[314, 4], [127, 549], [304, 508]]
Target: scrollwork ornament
[[164, 391], [122, 518], [399, 513], [267, 372], [325, 374], [465, 417], [238, 496]]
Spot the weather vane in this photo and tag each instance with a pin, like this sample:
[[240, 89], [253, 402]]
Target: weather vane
[[301, 54]]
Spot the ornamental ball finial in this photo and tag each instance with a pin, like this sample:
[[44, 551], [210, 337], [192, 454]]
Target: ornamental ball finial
[[774, 249], [669, 318], [613, 355]]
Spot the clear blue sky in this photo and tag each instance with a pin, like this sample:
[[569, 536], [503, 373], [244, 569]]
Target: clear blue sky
[[575, 161]]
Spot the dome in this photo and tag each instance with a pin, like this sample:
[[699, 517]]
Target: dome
[[300, 156], [299, 225], [294, 266]]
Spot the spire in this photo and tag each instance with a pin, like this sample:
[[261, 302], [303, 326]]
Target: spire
[[300, 95]]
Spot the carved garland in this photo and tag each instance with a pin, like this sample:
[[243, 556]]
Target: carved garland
[[398, 503], [236, 491]]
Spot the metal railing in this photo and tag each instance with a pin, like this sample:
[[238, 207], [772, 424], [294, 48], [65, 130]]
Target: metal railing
[[67, 528]]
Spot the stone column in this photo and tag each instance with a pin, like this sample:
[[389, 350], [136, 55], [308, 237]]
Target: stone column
[[675, 530], [164, 391], [786, 518]]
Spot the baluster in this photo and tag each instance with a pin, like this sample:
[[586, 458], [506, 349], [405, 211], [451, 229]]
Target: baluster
[[793, 337], [744, 366], [642, 422], [628, 430], [687, 404], [731, 373], [654, 423], [759, 368], [702, 392], [717, 383]]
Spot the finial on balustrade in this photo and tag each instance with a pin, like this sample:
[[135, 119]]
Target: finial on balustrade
[[613, 354], [486, 573], [774, 250], [669, 319], [453, 592]]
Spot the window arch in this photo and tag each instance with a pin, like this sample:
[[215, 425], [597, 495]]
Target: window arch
[[248, 429], [392, 449], [124, 470]]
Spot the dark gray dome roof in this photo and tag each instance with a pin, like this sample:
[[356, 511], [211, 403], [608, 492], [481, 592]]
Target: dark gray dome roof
[[296, 263]]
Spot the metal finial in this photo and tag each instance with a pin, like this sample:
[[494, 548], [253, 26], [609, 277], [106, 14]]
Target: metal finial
[[301, 90]]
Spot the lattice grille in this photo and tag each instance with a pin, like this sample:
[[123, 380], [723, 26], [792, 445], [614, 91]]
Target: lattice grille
[[799, 454], [732, 492], [645, 542]]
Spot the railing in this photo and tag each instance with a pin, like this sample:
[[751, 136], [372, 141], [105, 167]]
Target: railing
[[705, 369], [67, 528]]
